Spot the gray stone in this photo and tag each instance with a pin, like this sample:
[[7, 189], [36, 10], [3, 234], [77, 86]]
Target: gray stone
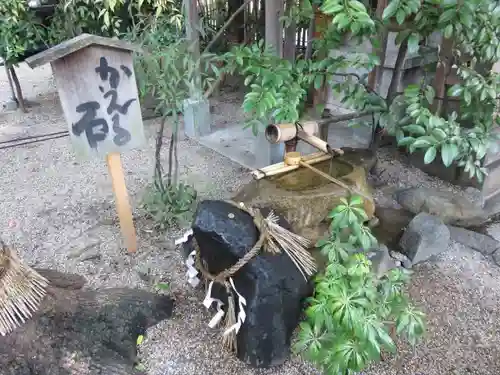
[[91, 255], [267, 153], [479, 242], [197, 119], [381, 260], [425, 237], [402, 259], [451, 209], [80, 246]]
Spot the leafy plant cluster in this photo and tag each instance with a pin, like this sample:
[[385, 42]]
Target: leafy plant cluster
[[416, 117], [352, 313], [170, 205], [168, 72], [108, 17], [279, 87], [21, 30]]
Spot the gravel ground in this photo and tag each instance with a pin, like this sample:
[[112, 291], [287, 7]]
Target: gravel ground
[[59, 213]]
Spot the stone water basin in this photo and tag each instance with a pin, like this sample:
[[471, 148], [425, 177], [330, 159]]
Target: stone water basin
[[305, 198]]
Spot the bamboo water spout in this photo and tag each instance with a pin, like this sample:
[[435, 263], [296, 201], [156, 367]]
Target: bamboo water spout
[[305, 131]]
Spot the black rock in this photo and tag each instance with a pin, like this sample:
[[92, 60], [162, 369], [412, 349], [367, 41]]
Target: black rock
[[271, 284]]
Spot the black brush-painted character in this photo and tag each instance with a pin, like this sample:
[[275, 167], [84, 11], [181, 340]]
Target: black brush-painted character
[[126, 70], [107, 72], [113, 104], [96, 129], [122, 136]]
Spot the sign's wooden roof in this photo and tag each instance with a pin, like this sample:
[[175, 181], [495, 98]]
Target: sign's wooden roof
[[73, 45]]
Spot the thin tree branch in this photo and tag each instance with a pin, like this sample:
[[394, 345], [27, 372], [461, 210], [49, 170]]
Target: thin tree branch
[[158, 167]]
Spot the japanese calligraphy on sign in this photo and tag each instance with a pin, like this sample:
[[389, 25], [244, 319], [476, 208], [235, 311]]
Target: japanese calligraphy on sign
[[98, 93]]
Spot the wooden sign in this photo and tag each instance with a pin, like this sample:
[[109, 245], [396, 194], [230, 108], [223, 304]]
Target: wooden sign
[[97, 88]]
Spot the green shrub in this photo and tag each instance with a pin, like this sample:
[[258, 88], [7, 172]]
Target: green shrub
[[172, 205], [352, 311]]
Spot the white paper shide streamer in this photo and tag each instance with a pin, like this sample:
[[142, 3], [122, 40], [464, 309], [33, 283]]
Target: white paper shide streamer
[[192, 272], [192, 276], [184, 237], [207, 302], [220, 313]]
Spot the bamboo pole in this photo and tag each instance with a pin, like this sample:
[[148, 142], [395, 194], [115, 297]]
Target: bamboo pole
[[281, 167]]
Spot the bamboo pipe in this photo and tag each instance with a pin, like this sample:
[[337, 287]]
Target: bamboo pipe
[[276, 133]]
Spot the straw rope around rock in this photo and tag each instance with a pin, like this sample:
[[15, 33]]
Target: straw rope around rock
[[273, 238]]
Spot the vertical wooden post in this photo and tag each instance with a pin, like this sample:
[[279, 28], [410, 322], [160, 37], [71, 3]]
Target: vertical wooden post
[[122, 202], [290, 48], [375, 76], [193, 36], [273, 9], [443, 70], [272, 153]]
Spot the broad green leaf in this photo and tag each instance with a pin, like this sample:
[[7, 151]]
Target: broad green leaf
[[421, 143], [447, 15], [400, 16], [455, 90], [318, 81], [386, 340], [430, 94], [467, 97], [356, 200], [413, 42], [415, 129], [448, 31], [448, 153], [430, 155], [439, 134], [391, 9], [331, 6], [406, 141]]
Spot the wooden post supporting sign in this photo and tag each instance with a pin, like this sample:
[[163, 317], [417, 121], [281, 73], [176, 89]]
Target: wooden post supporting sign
[[97, 87], [122, 203]]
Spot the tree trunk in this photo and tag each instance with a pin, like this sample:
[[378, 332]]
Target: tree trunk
[[82, 332]]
